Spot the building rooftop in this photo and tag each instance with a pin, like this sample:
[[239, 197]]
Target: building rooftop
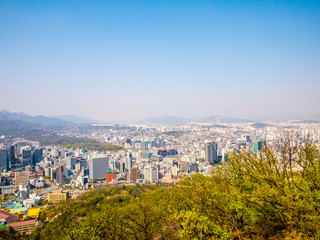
[[10, 186], [34, 212], [23, 223], [4, 214]]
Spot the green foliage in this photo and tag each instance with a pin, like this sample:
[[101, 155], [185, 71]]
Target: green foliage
[[174, 133], [7, 233], [63, 140], [270, 196], [44, 136], [28, 133], [95, 146]]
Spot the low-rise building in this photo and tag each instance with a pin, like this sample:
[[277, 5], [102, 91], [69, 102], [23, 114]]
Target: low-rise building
[[7, 217], [34, 200], [6, 190], [34, 212], [24, 226], [21, 178], [57, 196]]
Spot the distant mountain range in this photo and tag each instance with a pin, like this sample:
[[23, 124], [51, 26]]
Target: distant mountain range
[[178, 120], [164, 120], [22, 119], [308, 121], [260, 125], [213, 119], [216, 120], [76, 119], [9, 124]]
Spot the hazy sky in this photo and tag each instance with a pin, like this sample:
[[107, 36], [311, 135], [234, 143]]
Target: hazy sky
[[127, 60]]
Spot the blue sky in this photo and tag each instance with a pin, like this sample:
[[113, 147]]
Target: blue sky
[[127, 60]]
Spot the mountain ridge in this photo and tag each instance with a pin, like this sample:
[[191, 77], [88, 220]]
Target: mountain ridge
[[39, 120], [166, 119], [75, 119]]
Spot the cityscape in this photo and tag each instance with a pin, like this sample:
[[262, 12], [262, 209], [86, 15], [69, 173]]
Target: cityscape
[[159, 120], [35, 174]]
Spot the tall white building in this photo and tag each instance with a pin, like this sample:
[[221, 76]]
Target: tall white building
[[98, 165], [174, 170], [151, 174]]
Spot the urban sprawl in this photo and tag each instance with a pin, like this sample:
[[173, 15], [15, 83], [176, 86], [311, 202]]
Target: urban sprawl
[[34, 175]]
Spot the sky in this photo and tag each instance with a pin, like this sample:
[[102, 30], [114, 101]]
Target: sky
[[129, 60]]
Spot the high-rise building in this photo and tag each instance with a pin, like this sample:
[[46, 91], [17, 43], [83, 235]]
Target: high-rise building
[[98, 165], [128, 167], [256, 147], [151, 174], [134, 174], [212, 152], [60, 175], [4, 160], [37, 156], [83, 162], [122, 166], [85, 172], [84, 180], [18, 146], [26, 157], [174, 170], [53, 173], [253, 135], [26, 153], [12, 155], [110, 176], [71, 162], [128, 163]]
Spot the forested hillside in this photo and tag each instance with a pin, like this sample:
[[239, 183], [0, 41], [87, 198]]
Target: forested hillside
[[249, 197]]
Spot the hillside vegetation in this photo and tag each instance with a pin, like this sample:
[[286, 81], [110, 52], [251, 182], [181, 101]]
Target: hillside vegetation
[[95, 146], [249, 197]]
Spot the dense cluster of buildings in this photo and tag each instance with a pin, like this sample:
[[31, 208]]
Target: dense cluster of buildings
[[31, 173]]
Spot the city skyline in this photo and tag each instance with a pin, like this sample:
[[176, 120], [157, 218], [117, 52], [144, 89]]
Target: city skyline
[[66, 120], [126, 61], [185, 119]]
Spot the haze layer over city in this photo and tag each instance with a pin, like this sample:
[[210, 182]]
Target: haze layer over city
[[123, 61], [159, 120]]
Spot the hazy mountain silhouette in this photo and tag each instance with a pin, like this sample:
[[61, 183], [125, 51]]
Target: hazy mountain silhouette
[[260, 125], [76, 119], [21, 119], [179, 120]]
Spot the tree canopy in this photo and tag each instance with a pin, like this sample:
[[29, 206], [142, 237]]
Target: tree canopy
[[272, 195]]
